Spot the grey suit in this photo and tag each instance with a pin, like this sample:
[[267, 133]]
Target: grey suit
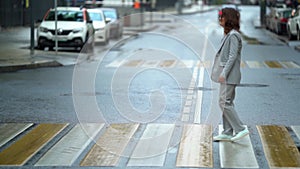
[[227, 64], [228, 59]]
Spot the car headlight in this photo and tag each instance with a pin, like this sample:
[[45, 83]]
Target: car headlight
[[43, 29], [77, 30]]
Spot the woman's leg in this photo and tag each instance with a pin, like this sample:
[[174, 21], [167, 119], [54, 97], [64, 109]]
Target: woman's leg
[[230, 116]]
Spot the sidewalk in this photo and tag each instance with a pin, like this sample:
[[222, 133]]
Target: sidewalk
[[15, 42]]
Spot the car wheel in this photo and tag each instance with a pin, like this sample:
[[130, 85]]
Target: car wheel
[[41, 47], [106, 41]]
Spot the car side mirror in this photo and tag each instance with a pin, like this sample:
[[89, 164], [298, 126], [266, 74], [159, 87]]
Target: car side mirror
[[90, 21], [107, 20]]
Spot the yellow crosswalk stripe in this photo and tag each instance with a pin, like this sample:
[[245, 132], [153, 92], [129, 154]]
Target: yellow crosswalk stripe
[[133, 63], [23, 149], [273, 64], [243, 64], [167, 63], [280, 149], [195, 147], [110, 146], [150, 63]]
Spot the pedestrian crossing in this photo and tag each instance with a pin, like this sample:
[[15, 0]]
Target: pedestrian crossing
[[142, 145], [194, 63]]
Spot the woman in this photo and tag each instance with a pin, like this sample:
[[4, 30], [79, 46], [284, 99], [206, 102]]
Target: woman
[[226, 71]]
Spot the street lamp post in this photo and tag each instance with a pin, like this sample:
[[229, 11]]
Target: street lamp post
[[31, 29], [262, 12], [56, 42]]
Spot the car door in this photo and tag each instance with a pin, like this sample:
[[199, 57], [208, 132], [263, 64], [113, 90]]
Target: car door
[[293, 23]]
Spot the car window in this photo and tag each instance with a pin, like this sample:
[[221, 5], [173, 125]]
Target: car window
[[65, 16], [95, 16], [286, 14], [110, 14]]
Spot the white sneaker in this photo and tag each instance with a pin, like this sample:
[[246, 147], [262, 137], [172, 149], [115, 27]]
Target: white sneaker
[[222, 137], [240, 135]]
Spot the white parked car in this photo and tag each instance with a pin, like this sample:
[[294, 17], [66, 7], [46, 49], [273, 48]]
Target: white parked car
[[277, 20], [293, 26], [100, 24], [74, 29]]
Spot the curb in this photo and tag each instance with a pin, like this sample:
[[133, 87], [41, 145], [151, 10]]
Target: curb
[[14, 68], [199, 11]]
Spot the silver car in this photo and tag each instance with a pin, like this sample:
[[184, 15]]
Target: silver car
[[116, 24], [293, 25], [100, 25]]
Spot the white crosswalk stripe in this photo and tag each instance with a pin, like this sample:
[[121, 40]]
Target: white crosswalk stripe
[[238, 154], [296, 130], [11, 130], [67, 150], [153, 145]]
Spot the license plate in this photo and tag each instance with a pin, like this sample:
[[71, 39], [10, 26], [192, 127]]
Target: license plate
[[60, 38]]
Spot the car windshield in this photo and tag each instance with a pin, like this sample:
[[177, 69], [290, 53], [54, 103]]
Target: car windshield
[[286, 14], [110, 14], [65, 16], [95, 16]]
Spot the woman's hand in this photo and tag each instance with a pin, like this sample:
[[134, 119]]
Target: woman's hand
[[221, 79]]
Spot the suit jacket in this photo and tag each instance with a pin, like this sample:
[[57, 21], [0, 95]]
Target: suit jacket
[[228, 59]]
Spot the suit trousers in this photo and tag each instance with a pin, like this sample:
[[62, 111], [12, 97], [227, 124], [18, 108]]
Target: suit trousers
[[231, 121]]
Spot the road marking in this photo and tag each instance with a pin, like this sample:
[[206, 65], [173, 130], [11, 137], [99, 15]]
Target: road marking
[[255, 64], [238, 154], [186, 63], [290, 65], [273, 64], [69, 148], [195, 148], [198, 108], [110, 146], [9, 131], [153, 145], [167, 63], [243, 64], [150, 63], [23, 149], [280, 149], [185, 117], [199, 64], [188, 103], [115, 63], [133, 63], [186, 110], [205, 64], [296, 129]]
